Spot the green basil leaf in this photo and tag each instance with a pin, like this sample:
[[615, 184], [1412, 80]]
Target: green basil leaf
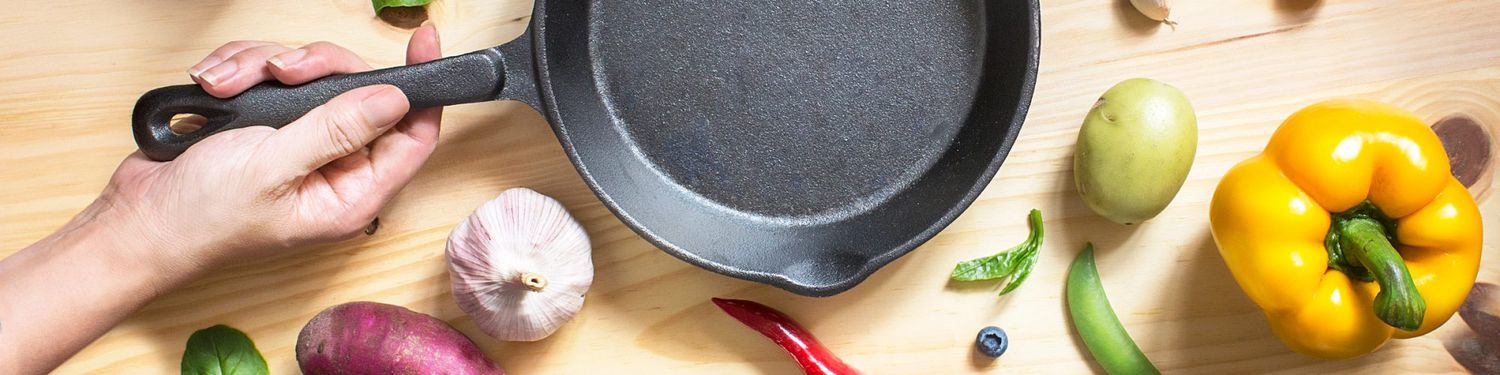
[[382, 4], [1014, 264], [986, 268], [1022, 271], [220, 350]]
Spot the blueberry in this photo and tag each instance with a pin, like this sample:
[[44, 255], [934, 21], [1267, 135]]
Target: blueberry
[[992, 341]]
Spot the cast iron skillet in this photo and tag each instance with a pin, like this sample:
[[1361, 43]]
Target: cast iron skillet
[[802, 144]]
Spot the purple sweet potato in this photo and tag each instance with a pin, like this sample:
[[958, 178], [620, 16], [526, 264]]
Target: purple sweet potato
[[376, 338]]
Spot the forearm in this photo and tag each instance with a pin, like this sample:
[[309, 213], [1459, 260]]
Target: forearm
[[58, 295]]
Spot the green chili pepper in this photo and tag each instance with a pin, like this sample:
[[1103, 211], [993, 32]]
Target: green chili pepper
[[1096, 322]]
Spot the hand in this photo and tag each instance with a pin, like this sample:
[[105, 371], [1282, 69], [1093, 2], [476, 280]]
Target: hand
[[253, 192], [241, 194]]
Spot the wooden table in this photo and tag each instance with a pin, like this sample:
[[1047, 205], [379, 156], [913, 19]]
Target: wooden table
[[71, 70]]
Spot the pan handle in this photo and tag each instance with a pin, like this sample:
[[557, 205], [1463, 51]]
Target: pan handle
[[468, 78]]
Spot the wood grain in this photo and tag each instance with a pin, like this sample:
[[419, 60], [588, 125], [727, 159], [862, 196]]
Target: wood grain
[[72, 69]]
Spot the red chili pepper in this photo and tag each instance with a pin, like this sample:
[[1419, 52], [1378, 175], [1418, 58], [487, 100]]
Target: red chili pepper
[[797, 341]]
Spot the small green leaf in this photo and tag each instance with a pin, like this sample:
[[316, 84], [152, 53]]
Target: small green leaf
[[382, 4], [221, 350], [1021, 274], [987, 268], [1013, 264]]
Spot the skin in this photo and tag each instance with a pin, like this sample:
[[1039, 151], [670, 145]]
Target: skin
[[376, 338], [1134, 150], [242, 194]]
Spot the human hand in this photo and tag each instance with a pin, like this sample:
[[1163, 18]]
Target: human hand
[[253, 192]]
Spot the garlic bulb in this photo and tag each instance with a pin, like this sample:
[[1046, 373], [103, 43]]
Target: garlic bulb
[[1154, 9], [520, 266]]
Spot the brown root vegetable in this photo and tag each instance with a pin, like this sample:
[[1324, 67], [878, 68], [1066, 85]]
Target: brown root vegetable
[[376, 338]]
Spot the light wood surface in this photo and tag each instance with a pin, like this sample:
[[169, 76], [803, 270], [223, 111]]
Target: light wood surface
[[71, 70]]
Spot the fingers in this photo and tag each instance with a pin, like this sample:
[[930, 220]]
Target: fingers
[[314, 61], [237, 66], [223, 53], [395, 157], [424, 45], [239, 71], [422, 125], [340, 127], [398, 155]]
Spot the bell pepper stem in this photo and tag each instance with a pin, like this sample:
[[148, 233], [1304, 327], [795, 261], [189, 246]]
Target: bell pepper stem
[[1398, 303]]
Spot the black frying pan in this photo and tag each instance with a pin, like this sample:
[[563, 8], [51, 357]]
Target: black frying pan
[[803, 144]]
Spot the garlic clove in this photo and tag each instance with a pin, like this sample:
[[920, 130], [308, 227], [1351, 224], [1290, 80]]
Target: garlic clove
[[1157, 10], [520, 266]]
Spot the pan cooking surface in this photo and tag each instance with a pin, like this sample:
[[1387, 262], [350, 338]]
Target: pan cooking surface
[[802, 144], [815, 109]]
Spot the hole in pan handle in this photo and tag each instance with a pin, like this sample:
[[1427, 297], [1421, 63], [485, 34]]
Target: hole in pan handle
[[468, 78]]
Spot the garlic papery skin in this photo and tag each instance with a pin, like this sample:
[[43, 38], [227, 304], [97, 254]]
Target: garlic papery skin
[[1157, 10], [520, 266]]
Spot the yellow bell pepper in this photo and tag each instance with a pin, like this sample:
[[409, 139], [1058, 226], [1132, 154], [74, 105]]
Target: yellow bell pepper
[[1349, 229]]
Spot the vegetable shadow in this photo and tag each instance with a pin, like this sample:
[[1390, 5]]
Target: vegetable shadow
[[479, 150], [1078, 344], [1209, 322], [990, 287], [1297, 11], [1205, 313], [244, 296], [1298, 6], [992, 246], [1073, 224], [683, 325], [404, 17]]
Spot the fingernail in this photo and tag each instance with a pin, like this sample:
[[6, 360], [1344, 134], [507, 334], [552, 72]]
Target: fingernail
[[435, 37], [208, 62], [219, 72], [383, 107], [287, 58]]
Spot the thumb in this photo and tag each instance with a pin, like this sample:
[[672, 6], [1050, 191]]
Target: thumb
[[338, 128]]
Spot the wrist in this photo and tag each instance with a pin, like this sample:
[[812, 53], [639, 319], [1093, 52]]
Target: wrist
[[127, 237], [71, 287]]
